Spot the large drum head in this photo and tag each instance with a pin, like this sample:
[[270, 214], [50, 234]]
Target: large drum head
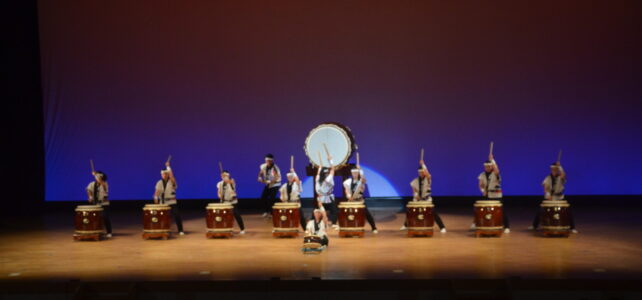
[[336, 137]]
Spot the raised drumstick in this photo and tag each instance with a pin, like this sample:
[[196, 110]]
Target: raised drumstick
[[559, 157], [326, 150], [320, 160], [491, 149], [91, 163], [291, 162], [220, 167], [169, 158], [358, 163], [421, 156]]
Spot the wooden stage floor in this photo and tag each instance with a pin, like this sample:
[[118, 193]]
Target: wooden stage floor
[[608, 247]]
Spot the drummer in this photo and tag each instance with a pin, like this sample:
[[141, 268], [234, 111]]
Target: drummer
[[354, 188], [270, 177], [554, 190], [325, 191], [291, 193], [490, 187], [317, 227], [227, 194], [97, 192], [166, 194], [421, 191]]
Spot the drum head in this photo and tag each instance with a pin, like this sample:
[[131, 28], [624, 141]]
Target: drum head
[[336, 137]]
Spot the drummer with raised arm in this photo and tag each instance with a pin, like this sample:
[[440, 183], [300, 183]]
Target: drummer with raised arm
[[270, 177], [325, 191], [227, 194], [354, 189], [165, 193], [553, 186], [489, 183], [421, 191], [291, 192], [97, 192]]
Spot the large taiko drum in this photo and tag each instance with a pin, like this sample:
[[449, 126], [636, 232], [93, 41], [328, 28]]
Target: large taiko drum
[[351, 218], [157, 221], [419, 217], [286, 219], [88, 222], [554, 218], [489, 218], [220, 220], [337, 139]]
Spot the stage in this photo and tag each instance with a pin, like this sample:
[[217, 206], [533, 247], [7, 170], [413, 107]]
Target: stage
[[42, 249]]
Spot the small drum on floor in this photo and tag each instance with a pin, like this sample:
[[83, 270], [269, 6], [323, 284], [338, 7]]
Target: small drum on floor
[[420, 219], [554, 218], [157, 221], [489, 218], [88, 223], [312, 244], [285, 219], [351, 218], [220, 220]]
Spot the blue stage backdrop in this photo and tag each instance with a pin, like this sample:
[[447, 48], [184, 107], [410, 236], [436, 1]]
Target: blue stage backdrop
[[127, 83]]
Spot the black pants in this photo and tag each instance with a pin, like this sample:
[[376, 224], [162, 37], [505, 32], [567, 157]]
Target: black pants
[[370, 219], [177, 217], [237, 217], [437, 218], [268, 197], [570, 219], [325, 241], [107, 219], [332, 210], [302, 218]]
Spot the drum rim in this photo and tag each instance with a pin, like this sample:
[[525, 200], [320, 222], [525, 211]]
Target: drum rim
[[352, 204], [345, 129], [89, 208], [156, 207], [420, 204], [219, 205], [487, 203], [282, 205]]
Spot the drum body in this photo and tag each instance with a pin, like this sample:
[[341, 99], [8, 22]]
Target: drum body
[[88, 222], [489, 218], [420, 219], [286, 219], [554, 218], [220, 220], [312, 244], [336, 137], [157, 221], [351, 218]]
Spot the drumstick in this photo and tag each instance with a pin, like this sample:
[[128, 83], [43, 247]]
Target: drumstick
[[358, 164], [421, 156], [559, 157], [491, 148], [291, 161], [169, 158], [220, 167], [320, 160], [326, 150], [91, 163]]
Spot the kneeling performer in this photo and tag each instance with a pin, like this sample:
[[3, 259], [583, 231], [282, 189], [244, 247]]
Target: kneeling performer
[[316, 231]]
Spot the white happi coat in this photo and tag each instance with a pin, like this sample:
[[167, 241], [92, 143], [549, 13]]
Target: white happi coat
[[295, 192], [102, 193], [167, 192], [228, 192], [556, 190], [274, 175], [492, 184], [425, 194]]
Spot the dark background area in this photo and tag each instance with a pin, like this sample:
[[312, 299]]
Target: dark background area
[[127, 83]]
